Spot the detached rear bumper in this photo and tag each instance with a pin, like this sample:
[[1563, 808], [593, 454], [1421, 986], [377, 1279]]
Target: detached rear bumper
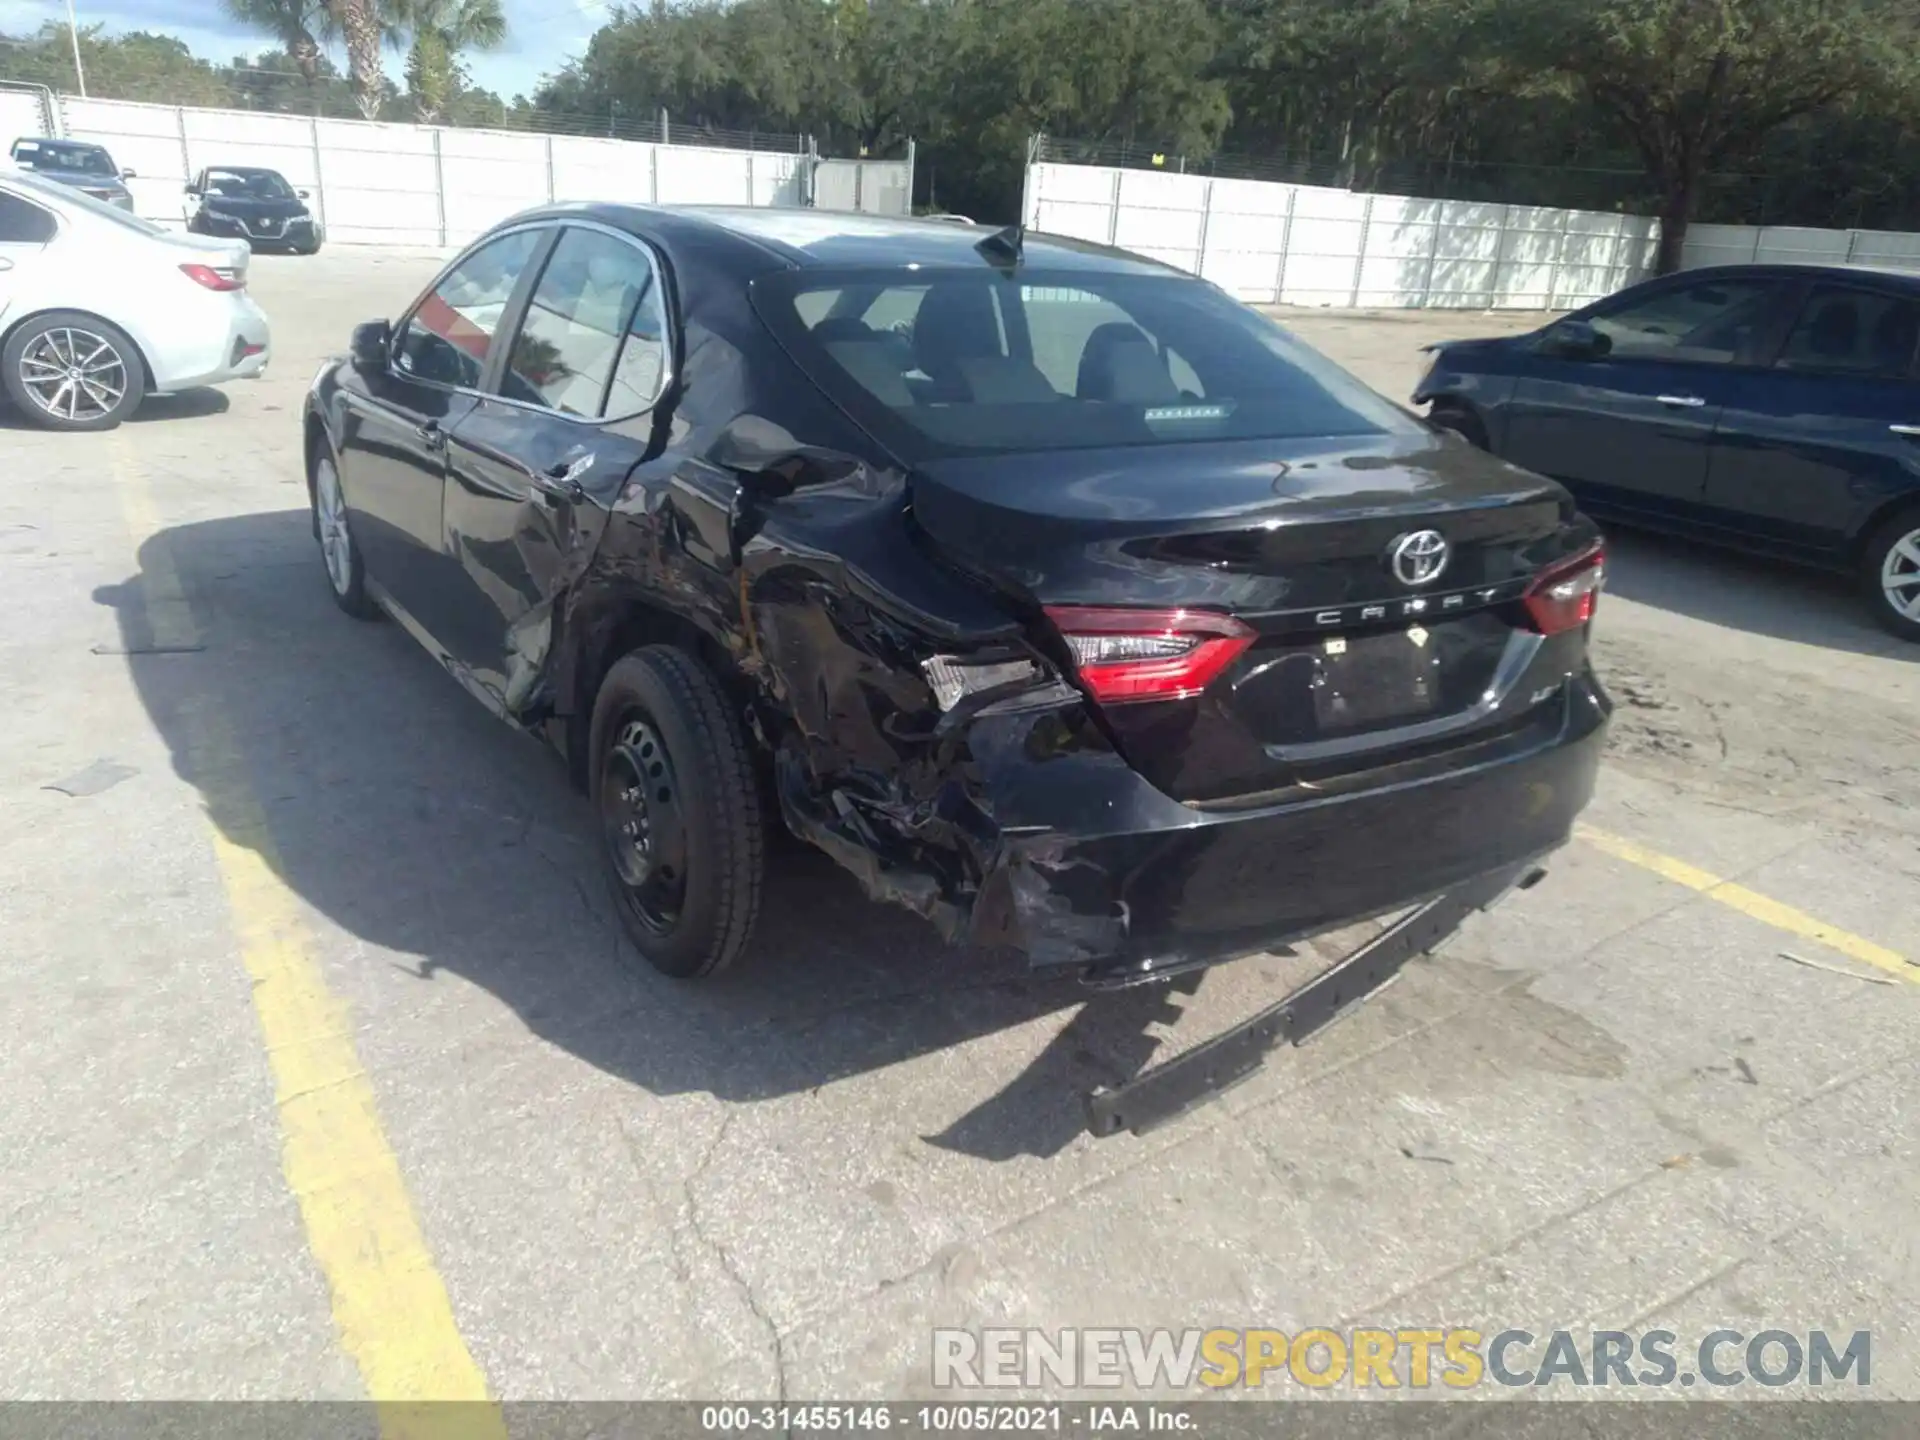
[[1097, 869]]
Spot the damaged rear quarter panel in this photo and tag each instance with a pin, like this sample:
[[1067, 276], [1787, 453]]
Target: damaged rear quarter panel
[[818, 605]]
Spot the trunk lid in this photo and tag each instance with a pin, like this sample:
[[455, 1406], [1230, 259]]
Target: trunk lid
[[1352, 661], [208, 250]]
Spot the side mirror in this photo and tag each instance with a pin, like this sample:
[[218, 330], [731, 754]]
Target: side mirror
[[301, 194], [191, 191], [370, 346], [1576, 340], [128, 175]]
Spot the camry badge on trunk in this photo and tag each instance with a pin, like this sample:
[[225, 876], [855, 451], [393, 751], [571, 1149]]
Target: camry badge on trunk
[[1419, 557]]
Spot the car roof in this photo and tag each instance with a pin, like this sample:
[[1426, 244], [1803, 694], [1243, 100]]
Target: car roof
[[805, 238], [1799, 270], [56, 140]]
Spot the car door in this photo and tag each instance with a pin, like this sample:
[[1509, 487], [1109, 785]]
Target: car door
[[533, 468], [1813, 445], [26, 229], [397, 420], [1631, 427]]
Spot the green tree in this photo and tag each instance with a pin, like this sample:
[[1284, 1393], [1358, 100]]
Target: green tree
[[1695, 85], [1344, 82], [303, 28], [138, 66], [359, 25], [439, 32]]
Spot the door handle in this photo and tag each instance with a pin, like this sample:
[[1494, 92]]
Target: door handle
[[431, 435], [1911, 431], [5, 264], [1681, 402], [561, 480]]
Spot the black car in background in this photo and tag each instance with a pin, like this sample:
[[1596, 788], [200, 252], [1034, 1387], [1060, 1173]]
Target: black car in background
[[1055, 594], [74, 163], [1774, 408], [248, 203]]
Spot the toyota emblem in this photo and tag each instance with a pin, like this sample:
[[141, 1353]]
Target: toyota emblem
[[1419, 557]]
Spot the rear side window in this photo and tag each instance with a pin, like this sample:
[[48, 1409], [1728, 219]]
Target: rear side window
[[1710, 321], [976, 362], [446, 338], [1844, 331], [24, 223], [594, 337]]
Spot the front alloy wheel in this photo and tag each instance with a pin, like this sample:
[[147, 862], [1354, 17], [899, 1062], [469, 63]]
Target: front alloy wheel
[[73, 372], [346, 576], [1890, 573]]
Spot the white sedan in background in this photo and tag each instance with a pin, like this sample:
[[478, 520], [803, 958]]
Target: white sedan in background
[[99, 309]]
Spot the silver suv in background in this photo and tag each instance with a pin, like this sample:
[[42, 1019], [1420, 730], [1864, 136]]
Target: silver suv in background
[[87, 168]]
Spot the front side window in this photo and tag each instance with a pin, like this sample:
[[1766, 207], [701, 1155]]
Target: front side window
[[1710, 321], [1844, 331], [446, 338], [593, 341], [24, 223], [966, 362]]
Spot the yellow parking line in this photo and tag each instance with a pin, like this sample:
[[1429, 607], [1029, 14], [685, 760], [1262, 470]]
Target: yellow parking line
[[1753, 904], [389, 1302]]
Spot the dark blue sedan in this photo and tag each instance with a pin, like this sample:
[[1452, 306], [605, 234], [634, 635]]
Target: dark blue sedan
[[1774, 408]]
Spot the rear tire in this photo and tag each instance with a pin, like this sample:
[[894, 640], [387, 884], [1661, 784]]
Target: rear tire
[[1890, 574], [682, 834], [67, 370]]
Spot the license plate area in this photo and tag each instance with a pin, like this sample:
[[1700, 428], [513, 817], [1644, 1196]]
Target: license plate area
[[1367, 680]]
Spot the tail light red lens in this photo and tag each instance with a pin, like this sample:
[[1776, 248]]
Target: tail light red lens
[[213, 279], [1564, 595], [1130, 655]]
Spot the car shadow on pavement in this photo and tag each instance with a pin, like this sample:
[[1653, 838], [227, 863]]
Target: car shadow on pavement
[[447, 844], [193, 404], [1744, 592]]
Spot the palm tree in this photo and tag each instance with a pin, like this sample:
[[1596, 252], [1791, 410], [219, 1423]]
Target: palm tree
[[359, 24], [301, 26], [440, 31]]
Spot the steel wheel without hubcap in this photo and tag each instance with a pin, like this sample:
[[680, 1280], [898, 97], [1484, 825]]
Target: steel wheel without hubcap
[[336, 544], [1900, 577], [73, 374], [641, 818]]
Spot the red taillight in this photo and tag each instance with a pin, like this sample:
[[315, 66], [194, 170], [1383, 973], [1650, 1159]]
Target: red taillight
[[1565, 595], [1125, 655], [213, 279]]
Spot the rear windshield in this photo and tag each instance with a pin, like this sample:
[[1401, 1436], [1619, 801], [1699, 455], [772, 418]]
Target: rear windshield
[[978, 362], [69, 159]]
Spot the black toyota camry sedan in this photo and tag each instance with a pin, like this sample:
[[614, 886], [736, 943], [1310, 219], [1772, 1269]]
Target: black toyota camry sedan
[[1053, 593], [1773, 408]]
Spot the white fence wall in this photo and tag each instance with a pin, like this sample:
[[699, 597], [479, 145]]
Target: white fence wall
[[1306, 245], [22, 112], [385, 184], [1794, 245]]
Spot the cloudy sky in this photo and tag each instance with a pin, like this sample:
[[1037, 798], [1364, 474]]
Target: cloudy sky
[[542, 35]]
